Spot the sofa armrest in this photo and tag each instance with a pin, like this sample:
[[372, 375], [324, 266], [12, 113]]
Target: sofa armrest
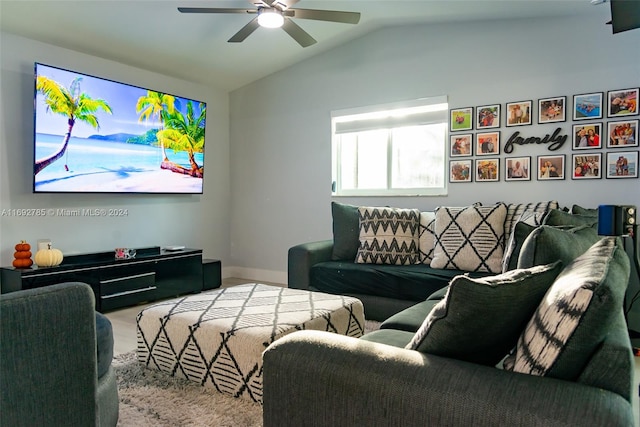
[[302, 257], [314, 378]]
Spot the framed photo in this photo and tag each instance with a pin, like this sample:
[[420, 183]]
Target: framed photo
[[519, 113], [552, 110], [622, 134], [461, 145], [622, 102], [487, 170], [517, 168], [460, 170], [587, 106], [550, 167], [488, 143], [587, 137], [622, 164], [488, 116], [461, 119], [587, 166]]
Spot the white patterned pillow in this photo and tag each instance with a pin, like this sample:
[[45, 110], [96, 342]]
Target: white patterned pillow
[[515, 211], [469, 238], [388, 236], [575, 315], [427, 239]]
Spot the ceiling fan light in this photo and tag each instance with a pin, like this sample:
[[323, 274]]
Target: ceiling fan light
[[270, 18]]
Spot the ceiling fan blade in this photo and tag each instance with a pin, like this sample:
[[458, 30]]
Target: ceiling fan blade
[[298, 34], [213, 10], [286, 3], [325, 15], [280, 4], [245, 31]]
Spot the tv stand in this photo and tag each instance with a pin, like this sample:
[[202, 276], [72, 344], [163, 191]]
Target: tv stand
[[153, 274]]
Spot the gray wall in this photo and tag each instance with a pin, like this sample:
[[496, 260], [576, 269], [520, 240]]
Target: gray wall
[[269, 188], [152, 220], [280, 125]]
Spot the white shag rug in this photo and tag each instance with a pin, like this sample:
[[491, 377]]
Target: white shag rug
[[150, 398]]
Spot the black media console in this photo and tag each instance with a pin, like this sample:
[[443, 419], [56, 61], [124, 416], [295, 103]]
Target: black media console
[[153, 274]]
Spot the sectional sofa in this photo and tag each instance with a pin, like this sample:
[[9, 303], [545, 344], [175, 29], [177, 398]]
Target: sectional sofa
[[543, 343], [392, 284]]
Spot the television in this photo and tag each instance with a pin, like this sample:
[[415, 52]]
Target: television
[[625, 15], [95, 135]]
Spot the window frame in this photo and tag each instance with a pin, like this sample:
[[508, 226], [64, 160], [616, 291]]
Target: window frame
[[424, 111]]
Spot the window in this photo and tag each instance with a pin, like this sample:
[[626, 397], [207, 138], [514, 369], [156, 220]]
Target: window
[[392, 149]]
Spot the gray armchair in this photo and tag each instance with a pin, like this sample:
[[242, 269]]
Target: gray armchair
[[49, 362]]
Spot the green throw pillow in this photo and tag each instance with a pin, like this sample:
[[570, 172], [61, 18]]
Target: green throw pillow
[[575, 315], [579, 210], [346, 232], [516, 238], [480, 320], [520, 232], [547, 244], [559, 217]]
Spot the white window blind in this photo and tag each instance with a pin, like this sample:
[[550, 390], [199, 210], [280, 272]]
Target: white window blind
[[390, 149]]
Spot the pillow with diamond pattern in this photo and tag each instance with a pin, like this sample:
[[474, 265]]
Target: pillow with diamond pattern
[[469, 238], [388, 235]]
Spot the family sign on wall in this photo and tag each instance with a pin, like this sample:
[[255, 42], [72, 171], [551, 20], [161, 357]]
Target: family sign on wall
[[619, 134]]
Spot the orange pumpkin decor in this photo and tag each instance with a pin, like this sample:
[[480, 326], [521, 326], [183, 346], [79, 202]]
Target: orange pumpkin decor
[[22, 255]]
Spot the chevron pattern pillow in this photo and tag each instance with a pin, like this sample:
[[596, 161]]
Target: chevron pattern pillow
[[470, 238], [427, 239], [388, 235], [575, 315]]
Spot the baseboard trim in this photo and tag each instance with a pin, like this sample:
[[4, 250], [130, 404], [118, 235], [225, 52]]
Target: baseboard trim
[[256, 274]]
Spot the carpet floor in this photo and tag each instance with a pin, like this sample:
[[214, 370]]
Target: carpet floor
[[150, 398]]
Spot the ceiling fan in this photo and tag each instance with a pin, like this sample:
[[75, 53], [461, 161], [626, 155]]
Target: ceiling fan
[[278, 13]]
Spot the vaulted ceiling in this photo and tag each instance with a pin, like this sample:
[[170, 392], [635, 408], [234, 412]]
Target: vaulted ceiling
[[153, 35]]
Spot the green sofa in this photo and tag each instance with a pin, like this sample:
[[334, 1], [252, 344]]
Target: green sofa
[[55, 363], [457, 374]]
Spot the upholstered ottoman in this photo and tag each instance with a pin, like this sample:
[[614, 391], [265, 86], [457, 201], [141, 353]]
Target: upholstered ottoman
[[216, 339]]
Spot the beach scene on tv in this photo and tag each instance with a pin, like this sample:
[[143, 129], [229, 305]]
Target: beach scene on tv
[[96, 135]]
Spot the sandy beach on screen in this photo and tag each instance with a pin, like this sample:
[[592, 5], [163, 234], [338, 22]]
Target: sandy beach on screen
[[140, 181]]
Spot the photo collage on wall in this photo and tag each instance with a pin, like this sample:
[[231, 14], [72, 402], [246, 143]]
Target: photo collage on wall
[[600, 121]]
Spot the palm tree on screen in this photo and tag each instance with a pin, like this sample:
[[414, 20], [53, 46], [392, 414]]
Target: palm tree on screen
[[71, 103], [158, 106], [185, 134]]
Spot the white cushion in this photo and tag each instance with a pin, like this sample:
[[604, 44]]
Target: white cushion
[[515, 211], [427, 239], [470, 238]]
